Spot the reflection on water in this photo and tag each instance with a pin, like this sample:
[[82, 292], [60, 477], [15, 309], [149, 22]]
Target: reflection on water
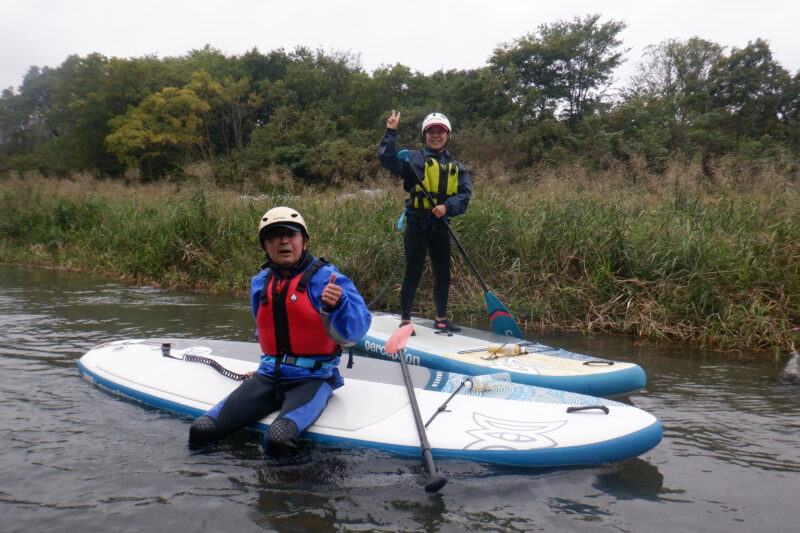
[[74, 455], [631, 479]]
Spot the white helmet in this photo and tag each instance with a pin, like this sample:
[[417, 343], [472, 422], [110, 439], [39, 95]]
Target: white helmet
[[281, 216], [436, 119]]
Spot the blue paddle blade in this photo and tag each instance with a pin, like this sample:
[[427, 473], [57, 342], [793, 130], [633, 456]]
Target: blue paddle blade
[[403, 154], [501, 320]]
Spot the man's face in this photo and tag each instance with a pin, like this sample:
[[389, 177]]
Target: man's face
[[284, 246], [436, 137]]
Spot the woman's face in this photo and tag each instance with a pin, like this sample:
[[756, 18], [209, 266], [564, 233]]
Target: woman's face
[[436, 137]]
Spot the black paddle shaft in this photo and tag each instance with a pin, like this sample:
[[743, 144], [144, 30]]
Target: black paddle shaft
[[452, 233], [435, 481]]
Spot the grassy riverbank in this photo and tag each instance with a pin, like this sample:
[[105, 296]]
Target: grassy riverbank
[[680, 256]]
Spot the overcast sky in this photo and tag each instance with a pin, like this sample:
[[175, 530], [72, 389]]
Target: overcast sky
[[425, 36]]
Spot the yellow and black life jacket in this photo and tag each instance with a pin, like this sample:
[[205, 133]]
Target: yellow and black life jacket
[[441, 181]]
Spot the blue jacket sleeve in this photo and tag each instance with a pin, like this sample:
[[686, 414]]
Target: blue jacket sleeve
[[351, 318], [256, 286], [387, 156], [387, 153]]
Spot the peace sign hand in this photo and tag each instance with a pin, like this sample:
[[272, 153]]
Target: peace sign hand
[[393, 121]]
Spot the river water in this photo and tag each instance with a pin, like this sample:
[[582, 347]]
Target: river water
[[76, 457]]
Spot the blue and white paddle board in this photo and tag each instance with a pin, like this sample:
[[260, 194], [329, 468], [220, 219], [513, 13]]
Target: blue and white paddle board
[[513, 424], [468, 352]]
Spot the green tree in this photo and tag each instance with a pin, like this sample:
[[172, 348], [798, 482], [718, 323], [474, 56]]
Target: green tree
[[753, 88], [562, 66], [288, 138], [66, 111], [366, 104], [25, 117], [232, 105], [667, 106], [206, 59], [643, 125], [257, 66], [470, 96], [16, 130], [677, 72], [75, 113]]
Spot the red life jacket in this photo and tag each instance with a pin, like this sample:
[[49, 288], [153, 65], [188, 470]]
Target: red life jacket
[[287, 321]]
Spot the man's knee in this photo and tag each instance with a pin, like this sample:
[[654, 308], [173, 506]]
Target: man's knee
[[280, 441]]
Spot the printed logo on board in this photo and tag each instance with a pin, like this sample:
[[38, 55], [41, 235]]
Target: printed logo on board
[[379, 349], [498, 434]]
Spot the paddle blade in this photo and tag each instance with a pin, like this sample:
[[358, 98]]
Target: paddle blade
[[399, 339], [500, 318], [403, 155], [435, 483]]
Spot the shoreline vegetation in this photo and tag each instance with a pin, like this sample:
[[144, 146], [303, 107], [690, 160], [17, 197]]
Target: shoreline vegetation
[[684, 255]]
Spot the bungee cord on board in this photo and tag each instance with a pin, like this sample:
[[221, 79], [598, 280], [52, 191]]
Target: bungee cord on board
[[192, 358]]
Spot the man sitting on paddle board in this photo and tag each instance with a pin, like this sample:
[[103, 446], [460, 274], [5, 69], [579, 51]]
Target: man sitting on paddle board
[[305, 311], [449, 184]]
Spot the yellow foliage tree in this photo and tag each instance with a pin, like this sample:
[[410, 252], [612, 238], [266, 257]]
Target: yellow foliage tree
[[165, 126]]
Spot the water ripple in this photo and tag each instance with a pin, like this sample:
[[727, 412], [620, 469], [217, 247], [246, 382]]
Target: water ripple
[[729, 460]]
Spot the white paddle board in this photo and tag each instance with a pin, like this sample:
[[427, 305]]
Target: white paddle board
[[513, 424]]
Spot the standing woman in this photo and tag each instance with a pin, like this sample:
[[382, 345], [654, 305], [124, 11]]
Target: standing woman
[[426, 233]]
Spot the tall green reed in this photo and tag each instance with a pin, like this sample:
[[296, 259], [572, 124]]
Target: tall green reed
[[678, 262]]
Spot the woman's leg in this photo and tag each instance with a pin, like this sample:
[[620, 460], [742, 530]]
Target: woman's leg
[[440, 263], [415, 241]]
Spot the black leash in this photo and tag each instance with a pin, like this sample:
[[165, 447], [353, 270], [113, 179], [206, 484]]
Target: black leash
[[165, 351]]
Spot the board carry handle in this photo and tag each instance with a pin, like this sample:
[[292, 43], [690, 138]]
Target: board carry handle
[[578, 408], [599, 362]]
